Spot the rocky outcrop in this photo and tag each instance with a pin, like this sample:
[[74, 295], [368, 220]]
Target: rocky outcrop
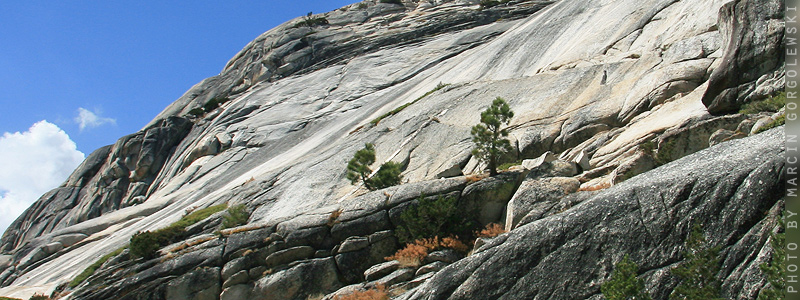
[[111, 178], [731, 190], [752, 63]]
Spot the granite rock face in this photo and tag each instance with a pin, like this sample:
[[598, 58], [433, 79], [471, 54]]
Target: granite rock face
[[748, 73], [603, 92], [732, 190]]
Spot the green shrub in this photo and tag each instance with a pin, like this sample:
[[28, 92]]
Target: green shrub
[[196, 112], [146, 244], [773, 104], [431, 217], [775, 123], [199, 215], [40, 297], [402, 107], [775, 269], [623, 284], [388, 175], [698, 271], [89, 271], [311, 21], [7, 298], [214, 103], [237, 216]]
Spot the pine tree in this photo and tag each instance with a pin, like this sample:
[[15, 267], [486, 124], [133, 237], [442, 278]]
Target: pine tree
[[358, 167], [775, 269], [698, 272], [489, 137], [623, 284], [358, 170]]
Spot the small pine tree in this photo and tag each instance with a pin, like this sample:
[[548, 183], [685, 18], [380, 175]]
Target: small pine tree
[[698, 272], [388, 175], [623, 284], [489, 137], [358, 167], [775, 269], [358, 170]]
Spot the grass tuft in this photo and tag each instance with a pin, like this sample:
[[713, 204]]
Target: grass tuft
[[402, 107]]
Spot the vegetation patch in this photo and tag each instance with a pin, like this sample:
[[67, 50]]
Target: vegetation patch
[[697, 273], [358, 170], [431, 217], [40, 297], [402, 107], [310, 21], [214, 103], [775, 268], [491, 230], [89, 271], [624, 284], [7, 298], [775, 123], [236, 216], [398, 2], [772, 104], [415, 252], [146, 244]]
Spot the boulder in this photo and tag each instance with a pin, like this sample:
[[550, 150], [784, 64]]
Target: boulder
[[353, 243], [431, 267], [753, 33], [723, 135], [538, 195], [380, 270], [398, 276], [200, 284], [286, 256], [488, 197], [446, 255], [530, 164], [299, 282]]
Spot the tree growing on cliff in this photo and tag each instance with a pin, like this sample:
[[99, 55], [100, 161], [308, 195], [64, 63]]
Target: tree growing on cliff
[[623, 284], [358, 170], [489, 136], [698, 273], [775, 269]]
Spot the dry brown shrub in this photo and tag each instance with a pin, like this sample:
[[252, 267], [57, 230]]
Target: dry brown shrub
[[378, 293], [597, 187], [455, 244], [229, 231], [475, 177], [414, 253], [410, 256], [491, 230], [332, 218]]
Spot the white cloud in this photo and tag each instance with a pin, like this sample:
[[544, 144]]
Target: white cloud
[[32, 163], [91, 119]]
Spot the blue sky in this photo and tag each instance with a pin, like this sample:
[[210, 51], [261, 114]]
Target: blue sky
[[95, 71]]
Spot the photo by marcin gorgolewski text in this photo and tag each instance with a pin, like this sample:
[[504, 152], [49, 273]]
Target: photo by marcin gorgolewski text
[[792, 128]]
